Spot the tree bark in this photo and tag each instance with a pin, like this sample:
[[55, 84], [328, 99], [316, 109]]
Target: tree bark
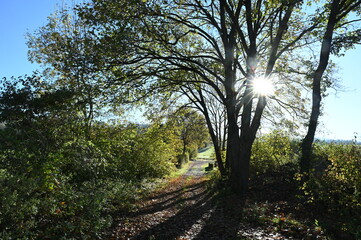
[[234, 157], [245, 154], [316, 88]]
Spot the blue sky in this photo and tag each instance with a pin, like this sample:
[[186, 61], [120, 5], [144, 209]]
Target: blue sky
[[342, 115]]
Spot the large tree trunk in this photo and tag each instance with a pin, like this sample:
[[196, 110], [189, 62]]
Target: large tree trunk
[[245, 154], [234, 157], [312, 126], [316, 88]]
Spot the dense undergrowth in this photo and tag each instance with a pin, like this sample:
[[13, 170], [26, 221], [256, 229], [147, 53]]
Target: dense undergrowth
[[61, 177], [70, 191], [282, 203], [332, 189], [328, 199]]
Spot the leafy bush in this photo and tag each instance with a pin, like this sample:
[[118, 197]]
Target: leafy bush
[[59, 180], [193, 153], [271, 151], [182, 159], [69, 192], [69, 211], [337, 188]]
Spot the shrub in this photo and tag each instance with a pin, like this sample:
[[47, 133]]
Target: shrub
[[60, 179], [182, 159], [69, 191], [69, 211], [271, 151], [193, 153], [337, 188]]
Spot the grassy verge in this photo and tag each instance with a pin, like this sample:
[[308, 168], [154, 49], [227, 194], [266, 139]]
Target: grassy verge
[[206, 153], [179, 172]]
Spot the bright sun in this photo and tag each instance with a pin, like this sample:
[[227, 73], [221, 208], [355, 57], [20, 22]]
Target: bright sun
[[263, 86]]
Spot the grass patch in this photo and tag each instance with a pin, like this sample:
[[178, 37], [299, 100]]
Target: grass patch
[[206, 153], [179, 172]]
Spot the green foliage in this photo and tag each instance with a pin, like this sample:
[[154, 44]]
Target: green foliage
[[182, 159], [60, 181], [150, 153], [192, 131], [337, 187], [189, 132], [271, 151], [193, 153]]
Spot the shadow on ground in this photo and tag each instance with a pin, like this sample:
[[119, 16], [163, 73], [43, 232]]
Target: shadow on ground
[[206, 218], [187, 211]]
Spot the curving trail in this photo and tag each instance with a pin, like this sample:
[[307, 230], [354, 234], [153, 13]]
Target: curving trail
[[183, 209], [196, 168], [186, 209]]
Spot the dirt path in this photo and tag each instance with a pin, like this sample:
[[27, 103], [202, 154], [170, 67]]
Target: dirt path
[[186, 209], [183, 209], [196, 168]]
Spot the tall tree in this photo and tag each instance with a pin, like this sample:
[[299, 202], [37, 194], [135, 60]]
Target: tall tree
[[66, 51], [338, 11], [192, 128], [227, 45], [201, 97]]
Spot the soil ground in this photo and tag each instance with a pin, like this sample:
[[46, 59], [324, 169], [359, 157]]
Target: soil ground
[[187, 208], [180, 210]]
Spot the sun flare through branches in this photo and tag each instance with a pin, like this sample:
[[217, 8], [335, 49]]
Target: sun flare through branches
[[262, 86]]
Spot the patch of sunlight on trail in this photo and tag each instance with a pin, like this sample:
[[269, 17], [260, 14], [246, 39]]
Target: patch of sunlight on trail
[[197, 227]]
